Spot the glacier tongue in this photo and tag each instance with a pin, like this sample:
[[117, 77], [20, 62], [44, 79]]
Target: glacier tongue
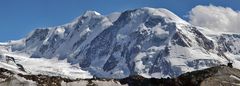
[[152, 42]]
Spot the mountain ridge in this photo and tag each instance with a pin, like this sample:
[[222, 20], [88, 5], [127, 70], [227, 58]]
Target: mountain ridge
[[152, 42]]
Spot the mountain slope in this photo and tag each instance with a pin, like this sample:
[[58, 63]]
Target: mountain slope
[[152, 42]]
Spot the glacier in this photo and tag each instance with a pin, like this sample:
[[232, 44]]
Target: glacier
[[152, 42]]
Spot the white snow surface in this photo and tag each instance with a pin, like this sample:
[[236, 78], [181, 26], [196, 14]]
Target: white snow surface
[[114, 16], [165, 46], [51, 67]]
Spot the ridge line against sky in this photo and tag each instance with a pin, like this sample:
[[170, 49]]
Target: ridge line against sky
[[19, 17]]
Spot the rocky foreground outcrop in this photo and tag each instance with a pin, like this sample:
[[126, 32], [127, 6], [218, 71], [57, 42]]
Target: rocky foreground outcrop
[[215, 76]]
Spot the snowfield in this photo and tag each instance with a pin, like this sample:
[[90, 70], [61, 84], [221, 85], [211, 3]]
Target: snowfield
[[152, 42], [43, 66]]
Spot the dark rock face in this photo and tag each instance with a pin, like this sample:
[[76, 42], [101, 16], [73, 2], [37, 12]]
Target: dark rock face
[[228, 43], [162, 65], [54, 43], [10, 58], [202, 40], [141, 81], [203, 62], [165, 67], [181, 39], [20, 67], [44, 80], [43, 48], [100, 46], [79, 42], [124, 18], [196, 78], [3, 72], [110, 64], [151, 22], [211, 76], [38, 35], [1, 56]]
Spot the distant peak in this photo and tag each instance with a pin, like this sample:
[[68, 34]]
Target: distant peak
[[148, 12], [91, 13], [161, 12], [156, 11]]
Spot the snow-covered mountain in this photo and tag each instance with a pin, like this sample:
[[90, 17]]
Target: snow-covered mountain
[[152, 42]]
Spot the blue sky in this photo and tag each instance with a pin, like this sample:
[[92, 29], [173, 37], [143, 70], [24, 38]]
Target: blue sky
[[19, 17]]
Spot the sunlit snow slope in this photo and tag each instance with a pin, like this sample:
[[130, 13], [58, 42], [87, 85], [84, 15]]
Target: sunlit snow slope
[[152, 42]]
